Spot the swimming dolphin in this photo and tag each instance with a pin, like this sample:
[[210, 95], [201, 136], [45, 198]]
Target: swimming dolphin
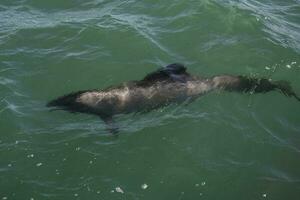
[[159, 88]]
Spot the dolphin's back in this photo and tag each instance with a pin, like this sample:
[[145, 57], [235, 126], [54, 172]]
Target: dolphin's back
[[159, 88]]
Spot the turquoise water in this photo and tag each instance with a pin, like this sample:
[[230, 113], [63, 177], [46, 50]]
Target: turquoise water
[[222, 146]]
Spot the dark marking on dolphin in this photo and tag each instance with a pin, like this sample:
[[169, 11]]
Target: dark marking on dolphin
[[159, 88]]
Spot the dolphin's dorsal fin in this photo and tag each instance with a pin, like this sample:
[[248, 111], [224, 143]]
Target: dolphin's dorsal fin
[[174, 72]]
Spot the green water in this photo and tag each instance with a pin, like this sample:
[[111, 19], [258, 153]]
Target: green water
[[222, 146]]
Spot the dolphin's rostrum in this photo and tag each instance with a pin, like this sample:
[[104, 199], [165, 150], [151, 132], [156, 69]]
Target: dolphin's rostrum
[[159, 88]]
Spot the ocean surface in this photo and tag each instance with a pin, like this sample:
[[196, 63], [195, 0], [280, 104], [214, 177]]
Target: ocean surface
[[222, 146]]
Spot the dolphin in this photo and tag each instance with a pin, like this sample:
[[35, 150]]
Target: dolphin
[[162, 87]]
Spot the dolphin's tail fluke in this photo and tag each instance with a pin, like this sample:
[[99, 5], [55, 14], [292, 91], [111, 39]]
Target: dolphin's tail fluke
[[255, 85]]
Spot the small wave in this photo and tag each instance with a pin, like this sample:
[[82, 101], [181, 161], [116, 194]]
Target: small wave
[[6, 69], [12, 20], [280, 20], [6, 81], [109, 16]]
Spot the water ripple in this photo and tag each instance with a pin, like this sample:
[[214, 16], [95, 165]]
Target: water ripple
[[277, 140], [12, 20], [279, 175]]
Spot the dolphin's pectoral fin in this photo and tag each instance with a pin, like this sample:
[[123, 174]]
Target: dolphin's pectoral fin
[[189, 100], [173, 72], [110, 124]]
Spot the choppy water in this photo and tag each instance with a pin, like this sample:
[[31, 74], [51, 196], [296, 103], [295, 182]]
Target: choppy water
[[222, 146]]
